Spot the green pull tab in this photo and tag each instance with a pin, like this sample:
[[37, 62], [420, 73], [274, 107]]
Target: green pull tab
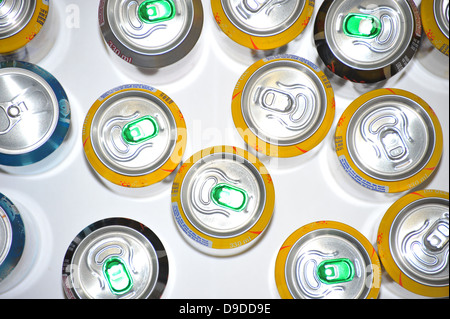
[[336, 271], [154, 11], [229, 196], [117, 276], [140, 130], [361, 25]]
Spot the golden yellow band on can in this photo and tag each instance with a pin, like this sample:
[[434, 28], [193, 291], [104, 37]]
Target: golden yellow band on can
[[431, 28], [282, 151], [143, 180], [261, 42], [384, 246], [252, 233], [280, 263], [33, 27], [393, 186]]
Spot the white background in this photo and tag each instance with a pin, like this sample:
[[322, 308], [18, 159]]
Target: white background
[[59, 203]]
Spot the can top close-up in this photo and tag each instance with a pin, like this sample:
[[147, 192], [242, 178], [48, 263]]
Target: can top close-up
[[435, 20]]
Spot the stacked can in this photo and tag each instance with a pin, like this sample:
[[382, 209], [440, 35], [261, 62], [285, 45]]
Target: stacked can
[[387, 141], [366, 42], [413, 243], [115, 258], [434, 50], [24, 33], [283, 106], [134, 137], [34, 118], [222, 200], [255, 29], [327, 259], [150, 35]]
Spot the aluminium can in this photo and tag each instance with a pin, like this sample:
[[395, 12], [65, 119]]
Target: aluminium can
[[327, 260], [12, 237], [222, 200], [115, 258], [134, 136], [151, 33], [366, 41], [388, 141], [435, 20], [283, 106], [34, 117], [21, 26], [413, 242]]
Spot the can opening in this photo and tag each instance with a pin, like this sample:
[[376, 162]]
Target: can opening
[[336, 271], [230, 197], [361, 26], [117, 275], [154, 11], [140, 130]]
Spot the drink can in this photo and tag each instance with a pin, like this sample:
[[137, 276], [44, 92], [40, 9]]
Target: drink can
[[115, 258], [283, 106], [12, 237], [434, 50], [34, 118], [413, 242], [222, 200], [327, 259], [134, 137], [151, 34], [25, 29], [261, 28], [367, 41], [388, 141]]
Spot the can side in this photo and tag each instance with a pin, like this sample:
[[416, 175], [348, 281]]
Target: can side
[[221, 246], [431, 28], [271, 149], [384, 247], [342, 152], [27, 34], [261, 42]]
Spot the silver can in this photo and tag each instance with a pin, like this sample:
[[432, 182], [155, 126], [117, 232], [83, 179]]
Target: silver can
[[367, 41], [413, 242], [115, 258], [34, 118], [327, 259], [151, 33], [134, 137], [222, 200], [12, 237]]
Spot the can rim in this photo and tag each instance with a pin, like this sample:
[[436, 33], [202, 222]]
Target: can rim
[[141, 180], [432, 30], [384, 249], [261, 42], [272, 149], [224, 243], [27, 33], [396, 185], [283, 253]]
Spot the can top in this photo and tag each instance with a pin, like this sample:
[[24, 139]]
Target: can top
[[29, 111], [391, 137], [113, 259], [329, 261], [435, 19], [441, 13], [14, 16], [413, 242], [369, 35]]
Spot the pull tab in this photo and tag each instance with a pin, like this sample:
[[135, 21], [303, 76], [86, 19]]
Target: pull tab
[[277, 100], [229, 196], [140, 130], [117, 275], [361, 26], [336, 271], [154, 11], [393, 145], [254, 5], [437, 237], [10, 115]]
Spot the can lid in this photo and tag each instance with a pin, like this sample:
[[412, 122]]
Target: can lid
[[413, 242], [435, 19], [115, 258], [34, 113], [389, 137], [284, 101], [262, 25], [134, 135], [19, 22], [151, 33], [327, 260]]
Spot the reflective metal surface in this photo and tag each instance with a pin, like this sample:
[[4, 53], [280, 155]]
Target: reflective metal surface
[[14, 16]]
